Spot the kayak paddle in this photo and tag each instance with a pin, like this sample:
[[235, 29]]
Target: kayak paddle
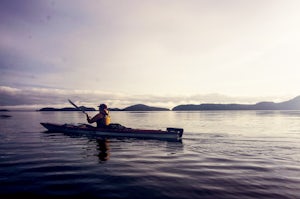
[[76, 106]]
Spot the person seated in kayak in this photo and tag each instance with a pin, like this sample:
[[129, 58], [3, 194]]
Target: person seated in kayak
[[102, 118]]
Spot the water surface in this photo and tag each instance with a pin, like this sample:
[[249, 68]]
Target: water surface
[[223, 154]]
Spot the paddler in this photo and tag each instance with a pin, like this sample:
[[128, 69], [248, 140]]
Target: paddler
[[102, 118]]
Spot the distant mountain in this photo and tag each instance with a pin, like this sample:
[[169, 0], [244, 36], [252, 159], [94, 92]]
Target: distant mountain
[[67, 109], [293, 104], [114, 109], [142, 107], [137, 107]]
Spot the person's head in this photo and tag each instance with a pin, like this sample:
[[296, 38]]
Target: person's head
[[102, 107]]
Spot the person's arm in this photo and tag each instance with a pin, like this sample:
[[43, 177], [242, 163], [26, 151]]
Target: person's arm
[[94, 119], [88, 118]]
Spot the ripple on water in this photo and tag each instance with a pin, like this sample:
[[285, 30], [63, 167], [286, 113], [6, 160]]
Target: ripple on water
[[201, 166]]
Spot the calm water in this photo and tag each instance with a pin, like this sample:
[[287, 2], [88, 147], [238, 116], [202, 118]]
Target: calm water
[[223, 154]]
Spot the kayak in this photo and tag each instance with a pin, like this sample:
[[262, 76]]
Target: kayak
[[116, 130]]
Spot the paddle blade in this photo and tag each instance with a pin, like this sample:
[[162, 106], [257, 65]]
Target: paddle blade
[[76, 106], [73, 104]]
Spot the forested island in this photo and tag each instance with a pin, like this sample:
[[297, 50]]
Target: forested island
[[67, 109], [142, 107], [293, 104], [137, 107]]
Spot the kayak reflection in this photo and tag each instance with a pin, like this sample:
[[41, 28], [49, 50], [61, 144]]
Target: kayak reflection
[[103, 148]]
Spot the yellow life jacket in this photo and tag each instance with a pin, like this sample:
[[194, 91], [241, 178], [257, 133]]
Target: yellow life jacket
[[105, 121]]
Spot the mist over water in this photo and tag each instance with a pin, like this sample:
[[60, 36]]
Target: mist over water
[[223, 154]]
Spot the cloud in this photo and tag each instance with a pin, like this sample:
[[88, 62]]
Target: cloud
[[141, 50], [26, 10]]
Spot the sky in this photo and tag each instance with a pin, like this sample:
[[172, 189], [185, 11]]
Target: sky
[[159, 53]]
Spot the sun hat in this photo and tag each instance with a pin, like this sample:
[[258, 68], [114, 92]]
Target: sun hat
[[103, 106]]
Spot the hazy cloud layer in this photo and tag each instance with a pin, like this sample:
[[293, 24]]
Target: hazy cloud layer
[[159, 52], [41, 97]]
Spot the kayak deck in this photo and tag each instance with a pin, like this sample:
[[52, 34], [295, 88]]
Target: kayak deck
[[116, 130]]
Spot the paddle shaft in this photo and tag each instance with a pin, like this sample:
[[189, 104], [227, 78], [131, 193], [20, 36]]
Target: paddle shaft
[[76, 106]]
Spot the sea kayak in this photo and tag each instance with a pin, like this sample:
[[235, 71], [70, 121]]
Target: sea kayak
[[116, 130]]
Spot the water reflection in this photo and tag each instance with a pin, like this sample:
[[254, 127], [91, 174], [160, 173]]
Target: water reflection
[[5, 116], [103, 146]]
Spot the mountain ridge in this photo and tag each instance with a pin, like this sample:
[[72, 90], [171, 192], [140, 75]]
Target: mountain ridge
[[67, 109], [293, 104], [143, 107]]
